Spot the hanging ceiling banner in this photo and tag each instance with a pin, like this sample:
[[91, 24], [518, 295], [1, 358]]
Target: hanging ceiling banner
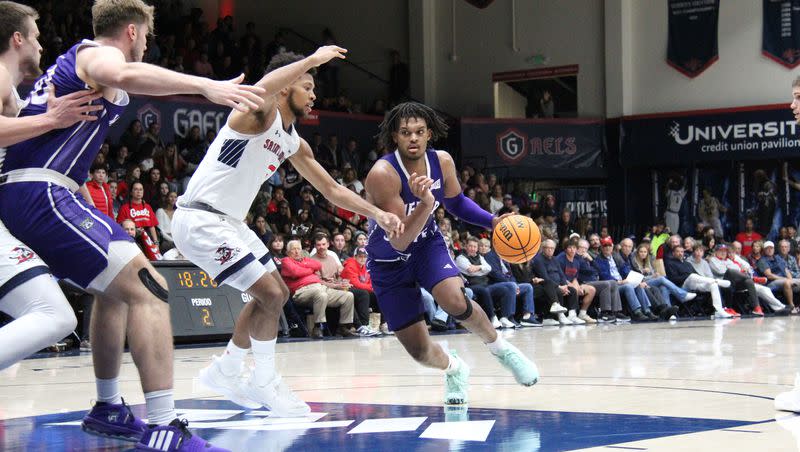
[[692, 40], [781, 32]]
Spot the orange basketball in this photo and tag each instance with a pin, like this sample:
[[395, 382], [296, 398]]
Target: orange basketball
[[516, 239]]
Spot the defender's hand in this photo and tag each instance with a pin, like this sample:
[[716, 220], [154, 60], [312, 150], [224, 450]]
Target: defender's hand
[[327, 53], [71, 108], [231, 93], [390, 223]]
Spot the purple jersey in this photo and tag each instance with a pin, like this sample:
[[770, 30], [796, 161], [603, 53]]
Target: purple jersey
[[69, 151], [378, 246]]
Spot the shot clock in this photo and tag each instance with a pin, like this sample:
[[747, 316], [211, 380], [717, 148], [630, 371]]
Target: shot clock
[[199, 307]]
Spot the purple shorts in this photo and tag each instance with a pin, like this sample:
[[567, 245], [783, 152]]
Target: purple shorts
[[397, 283], [71, 236]]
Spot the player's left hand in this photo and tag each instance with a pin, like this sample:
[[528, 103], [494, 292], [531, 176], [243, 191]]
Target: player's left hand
[[390, 223], [327, 53], [497, 220], [232, 93]]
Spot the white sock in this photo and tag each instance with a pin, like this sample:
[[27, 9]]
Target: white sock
[[453, 366], [724, 283], [571, 313], [498, 345], [583, 312], [264, 356], [231, 361], [160, 407], [108, 391]]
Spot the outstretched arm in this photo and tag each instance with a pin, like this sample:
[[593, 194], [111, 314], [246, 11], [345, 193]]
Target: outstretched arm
[[312, 171], [105, 67], [282, 77], [383, 188], [61, 112], [459, 205]]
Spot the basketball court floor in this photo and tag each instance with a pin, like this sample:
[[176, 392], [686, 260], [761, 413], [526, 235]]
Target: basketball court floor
[[691, 385]]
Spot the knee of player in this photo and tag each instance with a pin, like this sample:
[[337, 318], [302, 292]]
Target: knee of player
[[418, 352], [154, 283]]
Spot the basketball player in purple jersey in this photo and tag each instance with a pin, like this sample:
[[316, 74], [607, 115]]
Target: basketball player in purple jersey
[[81, 245], [412, 182], [28, 292]]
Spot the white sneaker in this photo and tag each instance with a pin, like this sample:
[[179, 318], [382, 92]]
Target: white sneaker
[[564, 320], [506, 323], [724, 283], [587, 319], [550, 322], [385, 329], [790, 400], [496, 323], [230, 387], [556, 308], [690, 296], [277, 397], [365, 331], [576, 320], [722, 315]]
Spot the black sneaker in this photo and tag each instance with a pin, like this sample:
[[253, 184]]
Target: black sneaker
[[651, 316], [620, 317], [639, 316], [666, 313]]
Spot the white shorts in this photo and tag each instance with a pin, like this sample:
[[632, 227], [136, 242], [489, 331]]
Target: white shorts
[[18, 263], [224, 247]]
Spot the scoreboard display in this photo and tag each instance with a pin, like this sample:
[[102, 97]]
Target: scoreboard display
[[198, 305]]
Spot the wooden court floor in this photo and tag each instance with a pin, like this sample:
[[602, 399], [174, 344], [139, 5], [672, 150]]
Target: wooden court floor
[[688, 385]]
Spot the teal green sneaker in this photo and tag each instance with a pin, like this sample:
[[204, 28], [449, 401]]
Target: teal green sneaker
[[457, 385], [524, 370]]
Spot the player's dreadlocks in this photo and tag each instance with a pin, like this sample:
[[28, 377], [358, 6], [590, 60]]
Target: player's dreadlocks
[[406, 110]]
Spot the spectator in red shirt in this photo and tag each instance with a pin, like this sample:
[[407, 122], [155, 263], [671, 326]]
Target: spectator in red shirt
[[274, 203], [142, 240], [99, 190], [140, 212], [747, 237], [355, 271], [301, 275]]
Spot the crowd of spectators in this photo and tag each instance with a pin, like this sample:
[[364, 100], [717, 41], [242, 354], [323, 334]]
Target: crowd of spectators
[[579, 276]]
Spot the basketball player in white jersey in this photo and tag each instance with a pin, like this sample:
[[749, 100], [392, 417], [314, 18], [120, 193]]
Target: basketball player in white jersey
[[28, 292], [209, 229]]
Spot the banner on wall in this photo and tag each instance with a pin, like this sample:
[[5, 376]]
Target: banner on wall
[[178, 114], [781, 32], [728, 134], [559, 148], [692, 36], [587, 202]]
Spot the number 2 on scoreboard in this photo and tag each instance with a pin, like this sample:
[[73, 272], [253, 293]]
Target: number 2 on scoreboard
[[207, 319]]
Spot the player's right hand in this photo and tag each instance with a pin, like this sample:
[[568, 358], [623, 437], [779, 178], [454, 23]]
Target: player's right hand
[[232, 93], [72, 108], [327, 53], [421, 188]]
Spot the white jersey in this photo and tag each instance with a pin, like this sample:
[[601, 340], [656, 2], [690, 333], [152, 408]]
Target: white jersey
[[236, 165]]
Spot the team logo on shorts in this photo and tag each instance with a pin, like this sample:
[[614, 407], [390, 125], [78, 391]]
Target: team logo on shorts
[[87, 224], [225, 253], [22, 254]]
